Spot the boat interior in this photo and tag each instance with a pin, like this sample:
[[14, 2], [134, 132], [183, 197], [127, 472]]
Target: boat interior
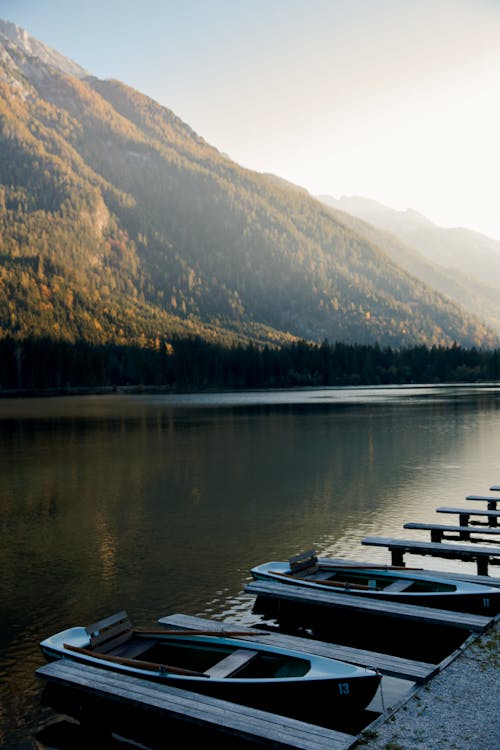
[[307, 567], [113, 639]]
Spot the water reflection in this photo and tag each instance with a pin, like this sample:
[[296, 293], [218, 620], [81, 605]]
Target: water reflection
[[160, 504]]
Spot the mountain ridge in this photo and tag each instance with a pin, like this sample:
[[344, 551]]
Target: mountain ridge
[[120, 223], [411, 239], [452, 247]]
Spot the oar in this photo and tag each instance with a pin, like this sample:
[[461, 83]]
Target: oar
[[228, 633], [137, 663], [338, 584], [364, 566]]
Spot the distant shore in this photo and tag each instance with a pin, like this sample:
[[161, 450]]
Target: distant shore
[[108, 390]]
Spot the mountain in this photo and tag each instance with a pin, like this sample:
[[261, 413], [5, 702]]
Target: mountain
[[457, 248], [463, 264], [479, 298], [119, 223]]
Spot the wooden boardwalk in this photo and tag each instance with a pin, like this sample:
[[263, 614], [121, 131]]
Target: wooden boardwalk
[[359, 605], [393, 666], [464, 514], [482, 556], [457, 533], [491, 502], [207, 713]]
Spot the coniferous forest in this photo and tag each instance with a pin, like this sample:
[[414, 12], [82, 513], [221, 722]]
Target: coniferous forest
[[32, 365]]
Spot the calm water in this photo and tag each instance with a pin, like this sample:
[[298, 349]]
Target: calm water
[[162, 504]]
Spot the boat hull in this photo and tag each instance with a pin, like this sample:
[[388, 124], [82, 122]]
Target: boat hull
[[462, 597], [327, 684]]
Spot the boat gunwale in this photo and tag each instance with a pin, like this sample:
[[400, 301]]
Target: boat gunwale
[[459, 588], [53, 647]]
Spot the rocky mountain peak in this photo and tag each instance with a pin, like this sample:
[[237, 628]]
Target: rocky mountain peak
[[17, 47]]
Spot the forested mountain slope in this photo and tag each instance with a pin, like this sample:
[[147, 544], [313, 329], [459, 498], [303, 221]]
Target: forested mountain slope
[[463, 264], [119, 223]]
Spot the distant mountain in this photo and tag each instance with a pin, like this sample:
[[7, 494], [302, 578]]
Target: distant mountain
[[119, 223], [459, 249], [479, 298]]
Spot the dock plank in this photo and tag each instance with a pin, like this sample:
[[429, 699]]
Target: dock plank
[[468, 553], [392, 666], [464, 515], [358, 604], [204, 711], [465, 533], [491, 501]]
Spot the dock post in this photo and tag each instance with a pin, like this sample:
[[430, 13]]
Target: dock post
[[436, 535], [397, 556], [482, 566]]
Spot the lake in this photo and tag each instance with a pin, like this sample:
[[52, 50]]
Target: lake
[[160, 504]]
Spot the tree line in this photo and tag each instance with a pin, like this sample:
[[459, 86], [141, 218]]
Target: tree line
[[35, 364]]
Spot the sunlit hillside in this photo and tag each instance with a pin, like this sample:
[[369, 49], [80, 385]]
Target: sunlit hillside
[[119, 223]]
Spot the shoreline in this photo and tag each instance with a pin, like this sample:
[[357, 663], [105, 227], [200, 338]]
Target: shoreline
[[456, 710]]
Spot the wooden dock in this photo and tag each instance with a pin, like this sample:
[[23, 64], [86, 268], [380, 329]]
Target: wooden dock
[[491, 502], [213, 714], [464, 514], [456, 533], [392, 666], [117, 697], [482, 556], [360, 606]]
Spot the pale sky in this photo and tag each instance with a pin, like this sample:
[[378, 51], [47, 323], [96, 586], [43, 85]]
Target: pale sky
[[395, 100]]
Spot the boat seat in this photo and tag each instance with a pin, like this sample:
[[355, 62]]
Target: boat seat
[[231, 663], [109, 633], [400, 585], [305, 563], [131, 650], [320, 575]]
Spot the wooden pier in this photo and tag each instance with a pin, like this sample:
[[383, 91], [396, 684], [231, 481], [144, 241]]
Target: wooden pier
[[482, 556], [357, 605], [491, 502], [392, 666], [457, 533], [118, 697], [490, 516], [209, 714]]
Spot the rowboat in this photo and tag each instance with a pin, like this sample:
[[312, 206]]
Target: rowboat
[[226, 665], [382, 582]]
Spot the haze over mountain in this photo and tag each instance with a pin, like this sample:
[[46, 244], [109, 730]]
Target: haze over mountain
[[462, 264], [119, 223], [456, 247]]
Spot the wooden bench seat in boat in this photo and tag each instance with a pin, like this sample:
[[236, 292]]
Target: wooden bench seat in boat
[[465, 533], [109, 633], [468, 553], [304, 563], [320, 575], [114, 636], [132, 649], [396, 586], [231, 663]]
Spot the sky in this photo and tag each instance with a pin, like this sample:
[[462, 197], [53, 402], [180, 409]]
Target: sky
[[393, 100]]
